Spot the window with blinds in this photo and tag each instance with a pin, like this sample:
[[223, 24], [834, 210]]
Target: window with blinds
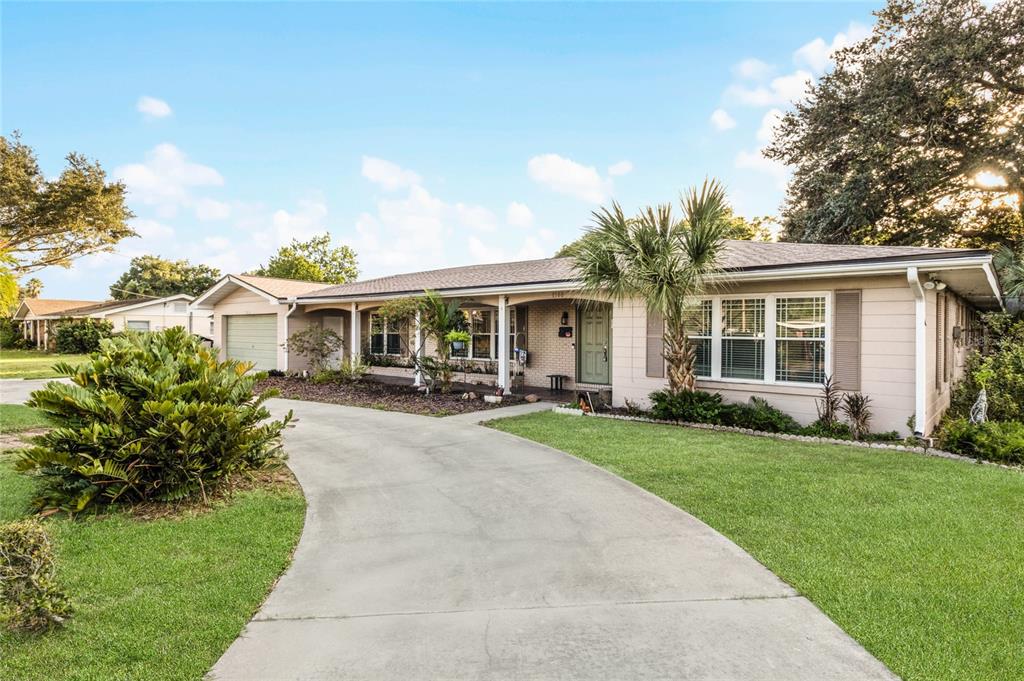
[[698, 322], [800, 339], [743, 338]]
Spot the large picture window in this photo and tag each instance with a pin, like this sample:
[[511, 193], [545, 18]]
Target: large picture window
[[385, 336], [800, 339], [743, 338], [699, 320]]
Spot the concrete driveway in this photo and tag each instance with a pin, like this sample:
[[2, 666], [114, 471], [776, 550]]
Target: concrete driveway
[[17, 390], [439, 549]]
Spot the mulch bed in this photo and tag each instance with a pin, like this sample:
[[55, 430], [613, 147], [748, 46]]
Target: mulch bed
[[385, 396]]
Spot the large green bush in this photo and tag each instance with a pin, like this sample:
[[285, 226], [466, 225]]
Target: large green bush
[[79, 336], [999, 368], [11, 337], [151, 416], [697, 406], [1001, 441], [29, 597]]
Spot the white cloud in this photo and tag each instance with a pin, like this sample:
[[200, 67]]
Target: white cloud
[[755, 161], [208, 209], [302, 224], [153, 107], [753, 69], [817, 54], [151, 229], [771, 118], [217, 243], [721, 120], [475, 217], [566, 176], [620, 168], [519, 215], [782, 90], [388, 175], [403, 233], [481, 252], [165, 179]]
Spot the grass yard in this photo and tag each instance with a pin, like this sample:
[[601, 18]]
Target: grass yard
[[32, 363], [15, 418], [154, 600], [920, 559]]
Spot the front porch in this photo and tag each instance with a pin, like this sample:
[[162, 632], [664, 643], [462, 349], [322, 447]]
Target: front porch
[[517, 343]]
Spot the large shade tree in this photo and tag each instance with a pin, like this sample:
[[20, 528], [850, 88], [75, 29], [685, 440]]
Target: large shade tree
[[314, 260], [153, 276], [917, 135], [660, 259]]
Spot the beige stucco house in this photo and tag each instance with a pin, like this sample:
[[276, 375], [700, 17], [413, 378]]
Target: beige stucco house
[[893, 323], [38, 315]]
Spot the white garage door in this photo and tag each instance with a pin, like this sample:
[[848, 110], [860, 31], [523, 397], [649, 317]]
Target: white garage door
[[252, 338]]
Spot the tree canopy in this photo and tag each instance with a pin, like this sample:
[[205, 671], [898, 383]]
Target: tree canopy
[[52, 222], [313, 260], [151, 275], [917, 135]]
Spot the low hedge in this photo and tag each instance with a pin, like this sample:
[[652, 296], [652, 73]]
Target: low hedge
[[1000, 441]]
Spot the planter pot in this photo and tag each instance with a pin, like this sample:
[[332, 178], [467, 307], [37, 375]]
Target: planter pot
[[458, 345], [493, 399], [568, 410]]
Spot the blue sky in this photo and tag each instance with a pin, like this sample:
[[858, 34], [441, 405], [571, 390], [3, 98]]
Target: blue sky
[[422, 135]]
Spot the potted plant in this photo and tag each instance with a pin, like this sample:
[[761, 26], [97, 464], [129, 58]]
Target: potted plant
[[457, 339]]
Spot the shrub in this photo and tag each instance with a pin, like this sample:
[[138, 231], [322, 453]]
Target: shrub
[[758, 415], [29, 597], [316, 345], [11, 337], [151, 416], [835, 430], [80, 336], [857, 409], [828, 404], [1001, 441], [347, 373], [999, 370], [694, 406]]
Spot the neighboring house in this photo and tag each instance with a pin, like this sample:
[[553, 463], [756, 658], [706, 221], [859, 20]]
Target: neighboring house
[[893, 323], [39, 315]]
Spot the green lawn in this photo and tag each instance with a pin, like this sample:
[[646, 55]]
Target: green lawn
[[32, 363], [920, 559], [15, 418], [154, 600]]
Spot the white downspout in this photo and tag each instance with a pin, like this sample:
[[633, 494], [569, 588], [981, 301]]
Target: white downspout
[[503, 338], [286, 316], [920, 353]]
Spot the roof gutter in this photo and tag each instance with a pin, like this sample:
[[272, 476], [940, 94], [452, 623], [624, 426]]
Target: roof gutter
[[920, 352]]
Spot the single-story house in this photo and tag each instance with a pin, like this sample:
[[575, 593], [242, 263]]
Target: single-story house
[[894, 323], [38, 315]]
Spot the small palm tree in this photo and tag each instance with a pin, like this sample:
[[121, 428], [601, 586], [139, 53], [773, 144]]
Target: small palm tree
[[1010, 266], [663, 261]]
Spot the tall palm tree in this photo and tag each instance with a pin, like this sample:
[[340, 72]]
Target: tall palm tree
[[1010, 266], [663, 261]]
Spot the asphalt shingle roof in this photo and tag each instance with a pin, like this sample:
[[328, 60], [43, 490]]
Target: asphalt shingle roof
[[737, 256], [281, 288]]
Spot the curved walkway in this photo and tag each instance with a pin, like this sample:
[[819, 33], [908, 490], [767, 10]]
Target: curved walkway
[[435, 548]]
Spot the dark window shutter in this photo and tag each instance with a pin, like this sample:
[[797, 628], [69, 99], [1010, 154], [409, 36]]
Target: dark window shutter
[[846, 340], [655, 344]]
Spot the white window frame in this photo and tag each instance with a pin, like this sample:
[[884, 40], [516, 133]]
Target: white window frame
[[385, 333], [770, 336], [129, 322], [708, 336]]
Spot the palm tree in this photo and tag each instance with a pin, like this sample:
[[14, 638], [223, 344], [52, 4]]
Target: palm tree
[[1010, 266], [665, 262]]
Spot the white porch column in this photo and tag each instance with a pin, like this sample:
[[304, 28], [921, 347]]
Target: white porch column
[[417, 347], [354, 340], [503, 332], [46, 335], [920, 353], [39, 333]]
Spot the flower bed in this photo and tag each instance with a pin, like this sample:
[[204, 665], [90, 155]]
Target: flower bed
[[386, 396]]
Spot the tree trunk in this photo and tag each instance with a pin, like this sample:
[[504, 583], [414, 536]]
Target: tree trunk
[[680, 357]]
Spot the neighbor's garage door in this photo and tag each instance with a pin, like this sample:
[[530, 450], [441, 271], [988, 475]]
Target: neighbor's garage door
[[253, 338]]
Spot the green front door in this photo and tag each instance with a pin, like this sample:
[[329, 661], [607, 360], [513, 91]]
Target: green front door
[[594, 342]]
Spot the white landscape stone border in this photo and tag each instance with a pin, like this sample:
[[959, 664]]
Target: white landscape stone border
[[928, 451]]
